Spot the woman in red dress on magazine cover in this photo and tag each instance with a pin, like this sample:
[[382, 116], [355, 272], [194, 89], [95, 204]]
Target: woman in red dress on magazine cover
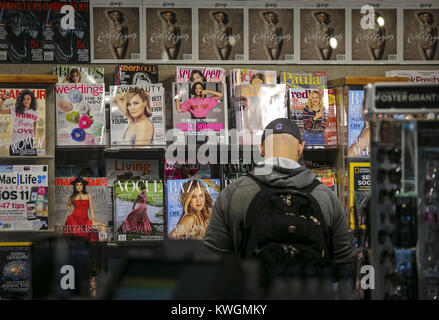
[[78, 224], [137, 220]]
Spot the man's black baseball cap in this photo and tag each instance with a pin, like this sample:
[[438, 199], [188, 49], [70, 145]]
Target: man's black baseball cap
[[282, 125]]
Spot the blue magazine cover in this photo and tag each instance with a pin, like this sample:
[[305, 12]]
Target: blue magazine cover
[[358, 130], [189, 206]]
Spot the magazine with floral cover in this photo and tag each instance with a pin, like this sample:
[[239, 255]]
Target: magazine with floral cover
[[306, 80], [24, 201], [189, 206], [139, 210], [199, 109], [136, 74], [76, 74], [15, 270], [137, 115], [81, 208], [255, 106], [80, 114], [200, 74], [314, 113], [22, 122]]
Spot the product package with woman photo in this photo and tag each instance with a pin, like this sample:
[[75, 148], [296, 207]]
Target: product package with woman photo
[[80, 114], [189, 206], [22, 122], [138, 210], [169, 33], [199, 109], [117, 29], [137, 115], [313, 110], [81, 208]]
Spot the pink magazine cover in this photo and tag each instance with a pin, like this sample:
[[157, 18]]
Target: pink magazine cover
[[200, 74]]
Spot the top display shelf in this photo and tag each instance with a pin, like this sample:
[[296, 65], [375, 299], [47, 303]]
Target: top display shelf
[[28, 78], [363, 80]]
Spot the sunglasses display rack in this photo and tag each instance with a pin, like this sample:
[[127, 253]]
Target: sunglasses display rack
[[404, 229]]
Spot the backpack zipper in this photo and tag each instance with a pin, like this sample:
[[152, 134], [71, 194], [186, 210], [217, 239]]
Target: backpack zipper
[[315, 220]]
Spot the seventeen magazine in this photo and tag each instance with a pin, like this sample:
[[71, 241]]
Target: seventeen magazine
[[189, 206], [22, 122], [80, 114], [137, 115], [139, 210], [208, 74], [199, 109]]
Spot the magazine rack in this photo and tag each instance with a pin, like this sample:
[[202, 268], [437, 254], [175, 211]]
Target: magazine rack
[[35, 82], [349, 115]]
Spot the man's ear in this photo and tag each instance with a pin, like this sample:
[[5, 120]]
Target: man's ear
[[262, 149], [301, 148]]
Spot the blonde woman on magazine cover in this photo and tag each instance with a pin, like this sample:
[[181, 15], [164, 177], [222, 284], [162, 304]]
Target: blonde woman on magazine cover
[[135, 107], [197, 206]]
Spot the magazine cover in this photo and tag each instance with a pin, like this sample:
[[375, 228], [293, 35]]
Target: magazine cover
[[81, 208], [222, 34], [234, 171], [117, 29], [421, 35], [21, 32], [65, 170], [417, 76], [80, 114], [358, 127], [168, 33], [255, 106], [76, 74], [24, 203], [327, 177], [359, 188], [69, 43], [136, 74], [182, 169], [314, 113], [137, 115], [189, 206], [131, 169], [22, 122], [252, 76], [305, 80], [199, 108], [322, 35], [379, 43], [271, 34], [15, 268], [139, 210], [200, 74]]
